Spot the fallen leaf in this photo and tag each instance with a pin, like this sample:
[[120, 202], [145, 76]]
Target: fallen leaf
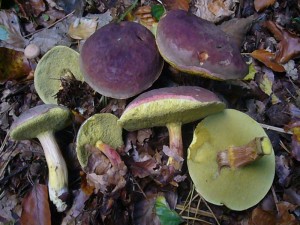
[[165, 214], [144, 169], [82, 28], [157, 11], [35, 206], [251, 74], [10, 31], [285, 215], [176, 4], [13, 64], [267, 58], [266, 85], [289, 43], [262, 217], [283, 169], [214, 10], [260, 5], [8, 203]]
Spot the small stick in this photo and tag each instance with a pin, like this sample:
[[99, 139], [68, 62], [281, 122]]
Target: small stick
[[278, 129]]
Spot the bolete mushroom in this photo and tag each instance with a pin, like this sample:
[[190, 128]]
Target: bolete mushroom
[[120, 60], [231, 160], [59, 61], [97, 141], [196, 46], [41, 122], [171, 107]]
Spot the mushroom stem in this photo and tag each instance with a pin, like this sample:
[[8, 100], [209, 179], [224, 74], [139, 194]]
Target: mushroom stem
[[175, 144], [239, 156], [58, 173]]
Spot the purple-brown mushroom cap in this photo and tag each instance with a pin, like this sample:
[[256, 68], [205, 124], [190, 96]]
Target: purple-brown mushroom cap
[[196, 46], [121, 60]]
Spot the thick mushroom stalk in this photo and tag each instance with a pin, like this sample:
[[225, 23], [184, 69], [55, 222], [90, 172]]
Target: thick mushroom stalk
[[41, 122], [170, 107], [58, 172], [239, 156]]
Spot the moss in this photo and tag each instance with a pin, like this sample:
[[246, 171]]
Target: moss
[[51, 67], [102, 127]]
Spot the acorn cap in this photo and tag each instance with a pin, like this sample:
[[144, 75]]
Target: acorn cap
[[239, 188]]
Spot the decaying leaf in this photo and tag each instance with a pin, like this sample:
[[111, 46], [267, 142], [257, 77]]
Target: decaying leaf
[[252, 72], [35, 206], [176, 4], [289, 43], [11, 36], [105, 171], [13, 65], [214, 10], [262, 217], [260, 5], [82, 28], [266, 85], [285, 214], [144, 16], [8, 204], [267, 58]]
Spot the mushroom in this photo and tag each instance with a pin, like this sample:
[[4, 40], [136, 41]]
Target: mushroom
[[32, 51], [171, 107], [97, 140], [41, 122], [59, 61], [120, 60], [196, 46], [231, 160]]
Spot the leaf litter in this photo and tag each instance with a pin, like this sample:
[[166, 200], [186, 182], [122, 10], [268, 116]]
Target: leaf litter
[[271, 96]]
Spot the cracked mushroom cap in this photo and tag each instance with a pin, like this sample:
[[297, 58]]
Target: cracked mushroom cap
[[239, 188], [196, 46], [40, 119], [170, 105], [57, 62], [99, 127], [121, 60]]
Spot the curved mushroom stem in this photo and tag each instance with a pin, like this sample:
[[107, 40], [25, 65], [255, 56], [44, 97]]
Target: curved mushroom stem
[[58, 173], [175, 144], [239, 156]]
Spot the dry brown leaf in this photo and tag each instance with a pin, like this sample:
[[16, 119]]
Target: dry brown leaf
[[82, 28], [35, 205], [289, 44], [13, 65], [285, 215], [176, 4], [144, 16], [267, 58], [260, 5], [214, 10], [262, 217]]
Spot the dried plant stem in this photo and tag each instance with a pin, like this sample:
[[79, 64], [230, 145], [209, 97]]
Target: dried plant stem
[[195, 219], [278, 129], [195, 211]]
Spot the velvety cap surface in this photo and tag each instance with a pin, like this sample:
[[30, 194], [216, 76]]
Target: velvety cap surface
[[40, 119], [196, 46], [239, 188], [99, 127], [121, 60], [167, 105]]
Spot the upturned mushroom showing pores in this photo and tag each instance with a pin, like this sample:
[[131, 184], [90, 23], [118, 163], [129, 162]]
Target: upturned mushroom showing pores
[[170, 107], [121, 60], [231, 160], [196, 46], [41, 122]]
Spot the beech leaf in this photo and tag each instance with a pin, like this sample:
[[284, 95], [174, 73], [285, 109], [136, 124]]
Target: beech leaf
[[267, 58], [260, 5], [35, 206], [176, 4]]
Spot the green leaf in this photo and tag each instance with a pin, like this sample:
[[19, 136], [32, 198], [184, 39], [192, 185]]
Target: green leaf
[[251, 74], [157, 11], [165, 214], [297, 19]]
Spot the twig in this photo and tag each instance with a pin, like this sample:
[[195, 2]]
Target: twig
[[278, 129], [195, 211], [127, 11], [214, 216], [51, 25], [195, 219]]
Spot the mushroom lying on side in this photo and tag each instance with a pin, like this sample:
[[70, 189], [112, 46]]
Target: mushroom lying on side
[[196, 46], [231, 160], [121, 60], [58, 62], [41, 122], [170, 107], [97, 140]]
